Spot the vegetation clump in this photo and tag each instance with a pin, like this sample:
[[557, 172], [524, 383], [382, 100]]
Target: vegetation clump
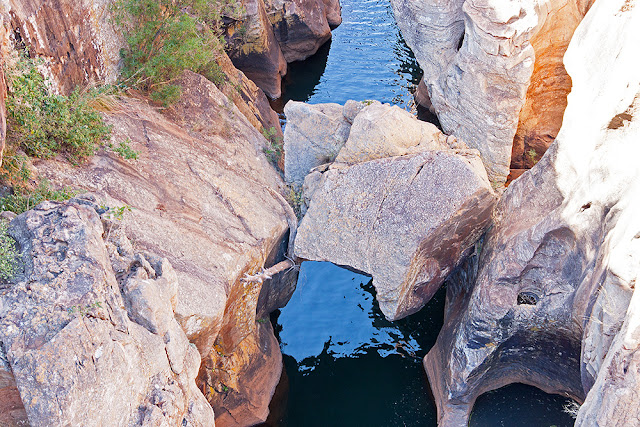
[[8, 254], [166, 37], [25, 198], [45, 124], [274, 148]]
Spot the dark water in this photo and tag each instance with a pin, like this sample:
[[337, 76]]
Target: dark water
[[345, 364]]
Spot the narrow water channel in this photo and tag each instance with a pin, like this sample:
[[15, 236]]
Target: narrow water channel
[[345, 364]]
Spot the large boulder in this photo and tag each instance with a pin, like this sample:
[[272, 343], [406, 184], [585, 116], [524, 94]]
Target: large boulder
[[407, 221], [552, 303], [489, 68], [313, 136], [383, 130], [196, 198], [74, 341]]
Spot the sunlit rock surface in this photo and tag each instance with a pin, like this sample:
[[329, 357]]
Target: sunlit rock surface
[[551, 303], [493, 71], [202, 195]]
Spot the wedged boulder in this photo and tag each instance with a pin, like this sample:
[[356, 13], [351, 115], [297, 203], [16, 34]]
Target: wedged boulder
[[313, 136], [76, 356], [383, 130], [407, 221], [552, 303], [300, 26], [494, 71], [253, 48], [204, 196]]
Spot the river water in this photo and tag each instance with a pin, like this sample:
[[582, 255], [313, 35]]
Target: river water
[[345, 364]]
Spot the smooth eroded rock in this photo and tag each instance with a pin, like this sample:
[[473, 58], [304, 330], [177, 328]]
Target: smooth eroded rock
[[383, 130], [313, 136], [483, 59], [202, 195], [552, 304], [253, 48]]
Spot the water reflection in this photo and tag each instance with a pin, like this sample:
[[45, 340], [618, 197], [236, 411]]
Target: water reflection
[[346, 364], [368, 60]]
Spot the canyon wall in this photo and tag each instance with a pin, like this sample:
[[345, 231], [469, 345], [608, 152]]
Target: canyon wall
[[201, 194], [553, 301], [491, 69], [267, 35]]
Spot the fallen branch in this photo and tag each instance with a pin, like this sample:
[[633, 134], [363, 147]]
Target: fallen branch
[[267, 274]]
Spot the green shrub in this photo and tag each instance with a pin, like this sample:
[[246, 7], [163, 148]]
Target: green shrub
[[274, 147], [166, 37], [24, 198], [44, 124], [124, 150], [8, 254]]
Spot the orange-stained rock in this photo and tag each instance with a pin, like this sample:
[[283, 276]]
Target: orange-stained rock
[[546, 99], [3, 110], [75, 38], [12, 412], [249, 98], [254, 49], [202, 195]]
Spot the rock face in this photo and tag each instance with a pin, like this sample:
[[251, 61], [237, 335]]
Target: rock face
[[488, 67], [198, 200], [75, 38], [255, 50], [406, 221], [12, 412], [67, 333], [80, 45], [551, 303], [274, 32]]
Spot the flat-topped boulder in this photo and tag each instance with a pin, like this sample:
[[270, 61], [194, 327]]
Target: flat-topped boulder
[[407, 221]]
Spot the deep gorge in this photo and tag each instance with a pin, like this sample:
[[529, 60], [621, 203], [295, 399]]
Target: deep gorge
[[227, 213]]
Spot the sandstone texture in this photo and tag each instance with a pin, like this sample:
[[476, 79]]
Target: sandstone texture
[[202, 195], [255, 50], [553, 304], [381, 130], [407, 221], [76, 39], [491, 69], [319, 134], [88, 326]]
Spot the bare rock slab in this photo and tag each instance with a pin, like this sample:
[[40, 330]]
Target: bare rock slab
[[406, 221]]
